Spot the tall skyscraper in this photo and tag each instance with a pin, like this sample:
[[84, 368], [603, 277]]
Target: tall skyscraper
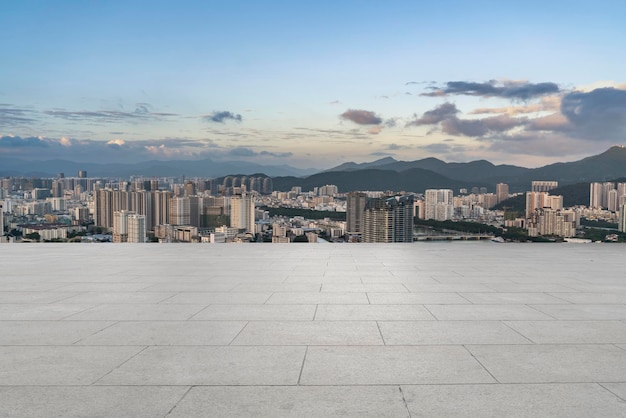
[[136, 228], [355, 206], [1, 218], [388, 219], [621, 218], [599, 194], [502, 192], [242, 212], [179, 211]]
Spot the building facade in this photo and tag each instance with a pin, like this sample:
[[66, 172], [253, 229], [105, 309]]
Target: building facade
[[388, 219]]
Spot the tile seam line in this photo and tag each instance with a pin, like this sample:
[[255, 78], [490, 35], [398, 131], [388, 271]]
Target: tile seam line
[[575, 383], [517, 332], [302, 367], [179, 401], [96, 333], [481, 364], [610, 391], [119, 365], [406, 405]]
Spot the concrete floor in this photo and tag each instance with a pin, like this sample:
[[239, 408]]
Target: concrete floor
[[409, 330]]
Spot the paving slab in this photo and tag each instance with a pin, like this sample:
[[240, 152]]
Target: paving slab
[[59, 365], [363, 287], [33, 297], [310, 333], [292, 401], [390, 365], [514, 401], [119, 297], [580, 312], [448, 332], [552, 363], [416, 298], [219, 298], [594, 298], [39, 311], [571, 332], [515, 298], [88, 401], [314, 298], [256, 312], [138, 312], [486, 312], [48, 332], [372, 312], [166, 333], [210, 366]]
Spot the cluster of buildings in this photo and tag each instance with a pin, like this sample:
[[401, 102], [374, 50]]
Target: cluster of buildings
[[230, 210]]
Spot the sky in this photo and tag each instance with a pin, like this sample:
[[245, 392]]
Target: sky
[[312, 84]]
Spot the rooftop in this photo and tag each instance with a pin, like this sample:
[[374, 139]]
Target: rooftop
[[398, 330]]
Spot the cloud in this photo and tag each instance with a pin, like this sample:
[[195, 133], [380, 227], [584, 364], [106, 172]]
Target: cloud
[[395, 147], [14, 115], [141, 112], [222, 116], [19, 142], [445, 117], [436, 115], [374, 130], [515, 90], [248, 152], [598, 114], [480, 127], [361, 117], [66, 142], [116, 144]]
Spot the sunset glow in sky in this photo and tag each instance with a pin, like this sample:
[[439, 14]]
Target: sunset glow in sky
[[312, 84]]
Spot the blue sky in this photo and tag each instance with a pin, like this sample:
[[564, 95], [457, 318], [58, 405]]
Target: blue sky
[[312, 84]]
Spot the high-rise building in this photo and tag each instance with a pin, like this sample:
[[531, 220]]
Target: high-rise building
[[103, 208], [439, 204], [599, 194], [136, 228], [82, 174], [621, 218], [160, 207], [502, 192], [179, 211], [612, 200], [328, 190], [129, 227], [536, 200], [548, 221], [355, 205], [120, 225], [543, 186], [388, 219], [1, 218], [242, 212]]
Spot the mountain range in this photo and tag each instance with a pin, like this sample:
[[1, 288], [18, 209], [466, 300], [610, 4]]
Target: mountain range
[[390, 174], [154, 168], [383, 174]]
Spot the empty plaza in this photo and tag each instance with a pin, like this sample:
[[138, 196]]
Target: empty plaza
[[399, 330]]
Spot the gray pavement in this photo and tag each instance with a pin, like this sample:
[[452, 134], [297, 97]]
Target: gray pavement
[[313, 330]]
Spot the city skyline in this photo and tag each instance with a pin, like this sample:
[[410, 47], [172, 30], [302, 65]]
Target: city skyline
[[312, 85]]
